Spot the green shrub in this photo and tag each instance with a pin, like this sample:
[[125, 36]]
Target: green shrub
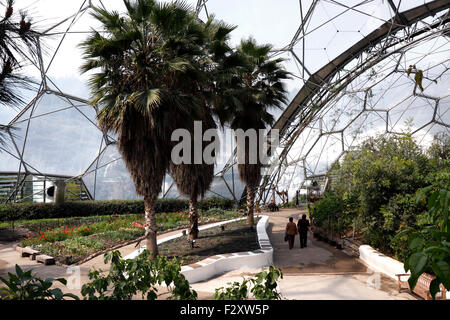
[[213, 212], [30, 211], [225, 204], [263, 287], [289, 204], [378, 170], [139, 276], [84, 243], [326, 213], [377, 182], [400, 213], [430, 246], [25, 286], [120, 235], [126, 278]]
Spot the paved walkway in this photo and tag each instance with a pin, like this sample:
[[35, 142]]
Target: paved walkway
[[316, 272]]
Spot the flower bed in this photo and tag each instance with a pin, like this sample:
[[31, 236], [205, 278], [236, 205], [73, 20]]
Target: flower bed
[[72, 240]]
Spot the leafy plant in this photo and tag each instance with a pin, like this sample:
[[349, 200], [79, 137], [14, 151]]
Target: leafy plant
[[377, 182], [431, 245], [263, 287], [331, 206], [25, 286], [265, 284], [234, 291], [130, 277]]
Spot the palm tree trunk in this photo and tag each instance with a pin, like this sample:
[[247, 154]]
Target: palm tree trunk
[[150, 225], [250, 205], [193, 218]]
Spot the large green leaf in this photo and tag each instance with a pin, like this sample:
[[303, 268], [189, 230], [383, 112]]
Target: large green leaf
[[416, 242], [437, 250], [442, 270], [434, 287], [416, 263], [422, 192]]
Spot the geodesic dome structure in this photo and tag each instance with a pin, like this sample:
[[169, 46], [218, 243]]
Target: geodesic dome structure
[[349, 60]]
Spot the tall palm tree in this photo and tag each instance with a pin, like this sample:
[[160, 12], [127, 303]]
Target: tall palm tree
[[16, 39], [260, 88], [193, 180], [145, 70]]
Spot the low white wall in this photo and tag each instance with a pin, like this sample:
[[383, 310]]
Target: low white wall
[[218, 264], [381, 263], [252, 259]]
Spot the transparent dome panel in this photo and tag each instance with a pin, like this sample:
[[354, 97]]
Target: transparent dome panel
[[63, 141]]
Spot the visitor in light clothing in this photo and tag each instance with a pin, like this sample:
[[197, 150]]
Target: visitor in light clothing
[[291, 231]]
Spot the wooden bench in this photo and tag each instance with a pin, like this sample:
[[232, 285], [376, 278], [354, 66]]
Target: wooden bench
[[46, 260], [422, 288], [28, 252]]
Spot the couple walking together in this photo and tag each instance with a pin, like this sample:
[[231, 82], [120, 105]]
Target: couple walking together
[[301, 228]]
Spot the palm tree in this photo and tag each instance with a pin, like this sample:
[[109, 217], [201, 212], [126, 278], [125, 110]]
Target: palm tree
[[16, 39], [260, 88], [193, 180], [145, 70]]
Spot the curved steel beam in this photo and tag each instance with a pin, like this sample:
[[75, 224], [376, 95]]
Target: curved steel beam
[[314, 87]]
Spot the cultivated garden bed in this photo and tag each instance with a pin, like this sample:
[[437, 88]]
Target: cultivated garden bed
[[236, 237], [73, 240]]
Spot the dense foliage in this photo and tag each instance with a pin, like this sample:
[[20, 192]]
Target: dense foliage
[[25, 286], [138, 277], [376, 185], [327, 212], [262, 287], [430, 246], [131, 277], [28, 211]]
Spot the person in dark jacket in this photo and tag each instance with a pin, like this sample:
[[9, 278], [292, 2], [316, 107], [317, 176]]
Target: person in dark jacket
[[291, 231], [303, 228]]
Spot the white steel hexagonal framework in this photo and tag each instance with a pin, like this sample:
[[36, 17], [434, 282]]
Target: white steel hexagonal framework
[[349, 61]]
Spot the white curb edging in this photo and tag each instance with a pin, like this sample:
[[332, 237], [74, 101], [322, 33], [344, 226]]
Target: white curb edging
[[218, 264], [380, 262]]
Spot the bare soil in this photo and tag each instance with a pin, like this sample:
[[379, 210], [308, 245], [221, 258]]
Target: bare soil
[[10, 234], [237, 237]]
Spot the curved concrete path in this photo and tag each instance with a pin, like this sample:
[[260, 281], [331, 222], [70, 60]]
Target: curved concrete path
[[317, 272], [317, 257]]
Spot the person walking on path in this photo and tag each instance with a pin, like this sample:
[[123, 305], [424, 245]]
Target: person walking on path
[[291, 231], [303, 228]]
